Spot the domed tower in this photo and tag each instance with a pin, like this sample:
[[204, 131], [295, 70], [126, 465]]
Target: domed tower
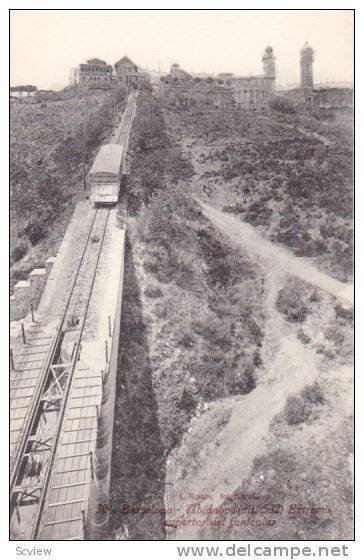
[[306, 67], [269, 67]]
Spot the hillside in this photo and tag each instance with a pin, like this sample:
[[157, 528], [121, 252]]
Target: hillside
[[48, 147], [234, 388], [240, 372], [289, 175], [190, 336]]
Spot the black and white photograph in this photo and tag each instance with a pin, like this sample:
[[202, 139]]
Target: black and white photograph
[[181, 187]]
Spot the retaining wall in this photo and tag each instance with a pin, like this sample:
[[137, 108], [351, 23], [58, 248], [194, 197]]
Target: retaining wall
[[97, 518], [29, 292]]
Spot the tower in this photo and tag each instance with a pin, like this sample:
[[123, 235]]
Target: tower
[[269, 67], [175, 71], [306, 67]]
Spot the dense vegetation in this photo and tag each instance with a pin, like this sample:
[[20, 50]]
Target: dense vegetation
[[191, 320], [50, 143], [155, 158], [289, 174], [202, 293]]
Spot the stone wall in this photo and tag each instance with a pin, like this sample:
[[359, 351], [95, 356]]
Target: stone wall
[[28, 293]]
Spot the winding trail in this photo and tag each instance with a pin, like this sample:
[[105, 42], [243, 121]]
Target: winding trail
[[245, 236], [288, 366]]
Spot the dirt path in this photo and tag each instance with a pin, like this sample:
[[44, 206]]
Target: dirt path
[[244, 235], [309, 134], [312, 134], [225, 457]]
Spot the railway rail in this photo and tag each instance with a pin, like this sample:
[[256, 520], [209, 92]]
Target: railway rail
[[42, 427], [125, 126], [54, 402]]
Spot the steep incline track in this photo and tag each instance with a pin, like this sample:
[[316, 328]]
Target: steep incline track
[[55, 396], [36, 449]]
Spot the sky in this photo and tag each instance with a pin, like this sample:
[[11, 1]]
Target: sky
[[46, 44]]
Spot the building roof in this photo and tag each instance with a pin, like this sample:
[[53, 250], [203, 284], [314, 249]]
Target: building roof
[[125, 60], [108, 159], [95, 61]]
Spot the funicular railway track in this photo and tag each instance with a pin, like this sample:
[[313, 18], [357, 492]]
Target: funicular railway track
[[123, 136], [55, 399], [37, 447]]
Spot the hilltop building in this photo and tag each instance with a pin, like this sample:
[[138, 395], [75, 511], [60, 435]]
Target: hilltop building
[[306, 62], [325, 96], [246, 91], [128, 73], [178, 74], [94, 72]]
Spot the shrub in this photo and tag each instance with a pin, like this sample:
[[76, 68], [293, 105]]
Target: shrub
[[294, 310], [314, 297], [293, 301], [134, 202], [243, 383], [153, 291], [18, 252], [295, 411], [313, 394], [302, 336], [186, 401], [35, 232], [345, 313], [160, 262], [187, 341], [282, 105], [334, 335]]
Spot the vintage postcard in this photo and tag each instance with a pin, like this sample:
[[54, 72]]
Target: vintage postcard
[[181, 276]]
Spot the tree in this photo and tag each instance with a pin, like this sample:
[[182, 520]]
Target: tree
[[24, 199], [51, 196], [68, 155], [30, 89]]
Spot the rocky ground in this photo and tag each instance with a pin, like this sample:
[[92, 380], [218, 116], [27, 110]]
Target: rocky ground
[[303, 397]]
